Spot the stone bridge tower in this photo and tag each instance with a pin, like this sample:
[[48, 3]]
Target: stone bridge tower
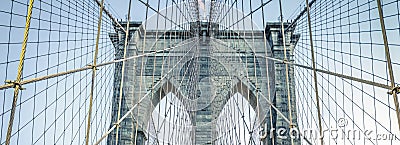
[[221, 63]]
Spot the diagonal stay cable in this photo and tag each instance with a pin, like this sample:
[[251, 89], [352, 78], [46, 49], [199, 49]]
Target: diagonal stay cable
[[159, 126], [165, 17], [333, 73], [109, 15], [6, 86], [230, 8], [294, 22], [328, 72], [180, 10], [277, 110], [253, 11], [145, 96], [268, 100], [123, 70]]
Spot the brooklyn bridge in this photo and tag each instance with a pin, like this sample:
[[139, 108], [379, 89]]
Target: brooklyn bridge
[[199, 72]]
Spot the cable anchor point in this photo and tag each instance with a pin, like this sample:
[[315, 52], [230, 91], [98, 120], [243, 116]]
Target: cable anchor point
[[93, 66], [292, 126], [15, 84], [117, 124], [394, 90]]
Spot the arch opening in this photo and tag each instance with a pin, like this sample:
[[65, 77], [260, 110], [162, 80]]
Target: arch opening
[[168, 119], [237, 122]]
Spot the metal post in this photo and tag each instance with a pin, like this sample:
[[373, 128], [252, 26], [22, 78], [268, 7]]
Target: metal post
[[16, 83], [94, 67], [395, 89], [314, 73], [122, 73]]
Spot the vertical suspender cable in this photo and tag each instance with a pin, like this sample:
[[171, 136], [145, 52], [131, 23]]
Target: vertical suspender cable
[[162, 70], [123, 73], [141, 73], [395, 89], [287, 69], [314, 73], [153, 75], [17, 86], [267, 73], [94, 73]]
